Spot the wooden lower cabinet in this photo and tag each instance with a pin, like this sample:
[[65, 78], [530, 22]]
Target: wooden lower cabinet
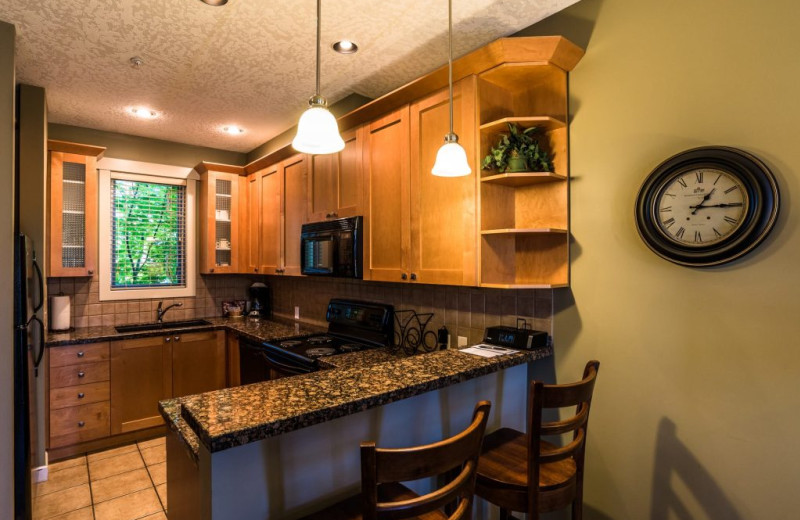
[[198, 363]]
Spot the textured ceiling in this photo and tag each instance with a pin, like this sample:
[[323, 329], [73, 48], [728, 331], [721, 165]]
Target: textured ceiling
[[249, 63]]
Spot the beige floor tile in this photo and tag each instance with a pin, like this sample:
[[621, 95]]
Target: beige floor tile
[[105, 454], [61, 502], [80, 514], [118, 485], [158, 441], [154, 455], [104, 468], [158, 516], [62, 479], [68, 463], [158, 472], [162, 494], [129, 507]]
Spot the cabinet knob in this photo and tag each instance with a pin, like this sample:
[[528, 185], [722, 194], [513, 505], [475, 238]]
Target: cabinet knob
[[81, 395], [167, 339], [404, 276], [80, 354], [256, 269], [177, 338], [211, 270], [81, 373], [90, 271], [413, 276], [81, 424]]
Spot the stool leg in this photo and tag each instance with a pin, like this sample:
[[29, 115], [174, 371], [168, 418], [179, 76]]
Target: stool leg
[[504, 514], [577, 509]]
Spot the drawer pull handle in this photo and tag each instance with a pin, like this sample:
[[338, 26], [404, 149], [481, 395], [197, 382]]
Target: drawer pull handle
[[177, 338], [80, 354], [81, 373], [81, 395], [81, 424], [167, 339]]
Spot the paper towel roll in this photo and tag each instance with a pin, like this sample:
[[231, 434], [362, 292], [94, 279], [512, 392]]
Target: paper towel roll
[[59, 312]]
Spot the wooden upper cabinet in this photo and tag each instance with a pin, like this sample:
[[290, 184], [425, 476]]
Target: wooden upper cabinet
[[443, 210], [72, 209], [269, 234], [334, 180], [251, 224], [221, 245], [386, 197], [294, 179]]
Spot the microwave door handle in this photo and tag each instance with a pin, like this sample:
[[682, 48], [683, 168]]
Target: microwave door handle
[[281, 366]]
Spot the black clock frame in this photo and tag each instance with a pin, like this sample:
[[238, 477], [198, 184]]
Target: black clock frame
[[757, 181]]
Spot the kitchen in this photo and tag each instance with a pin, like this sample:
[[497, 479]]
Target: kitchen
[[629, 308]]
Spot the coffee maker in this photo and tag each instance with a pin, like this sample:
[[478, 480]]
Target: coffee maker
[[260, 300]]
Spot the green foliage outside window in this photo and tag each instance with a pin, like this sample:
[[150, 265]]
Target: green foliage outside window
[[148, 234]]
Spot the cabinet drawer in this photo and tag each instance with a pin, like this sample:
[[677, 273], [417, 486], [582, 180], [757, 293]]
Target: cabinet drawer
[[79, 423], [82, 374], [78, 395], [77, 354]]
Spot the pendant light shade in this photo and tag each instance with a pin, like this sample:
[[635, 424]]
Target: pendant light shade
[[317, 130], [451, 159]]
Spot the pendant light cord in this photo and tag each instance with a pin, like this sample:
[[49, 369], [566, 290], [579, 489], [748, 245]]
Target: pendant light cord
[[450, 56], [319, 24]]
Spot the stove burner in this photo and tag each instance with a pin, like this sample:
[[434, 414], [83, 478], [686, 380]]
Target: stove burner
[[318, 340], [350, 347], [320, 351], [290, 343]]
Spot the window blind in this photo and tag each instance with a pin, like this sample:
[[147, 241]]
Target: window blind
[[148, 234]]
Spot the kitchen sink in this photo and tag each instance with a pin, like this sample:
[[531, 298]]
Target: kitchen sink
[[143, 327]]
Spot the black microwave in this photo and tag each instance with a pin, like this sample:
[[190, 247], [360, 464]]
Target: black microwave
[[332, 247]]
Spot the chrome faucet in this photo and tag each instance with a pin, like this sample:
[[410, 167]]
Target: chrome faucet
[[161, 312]]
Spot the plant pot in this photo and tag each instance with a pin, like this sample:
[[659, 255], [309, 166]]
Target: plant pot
[[516, 164]]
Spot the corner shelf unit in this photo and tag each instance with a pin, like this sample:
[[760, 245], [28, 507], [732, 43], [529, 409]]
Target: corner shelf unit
[[524, 216]]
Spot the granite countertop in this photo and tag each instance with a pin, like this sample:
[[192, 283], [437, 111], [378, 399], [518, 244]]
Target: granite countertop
[[255, 329], [357, 381]]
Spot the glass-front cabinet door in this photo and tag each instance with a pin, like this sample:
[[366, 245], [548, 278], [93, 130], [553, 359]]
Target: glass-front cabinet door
[[221, 244]]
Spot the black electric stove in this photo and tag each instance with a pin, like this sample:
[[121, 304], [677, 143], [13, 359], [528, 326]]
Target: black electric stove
[[353, 325]]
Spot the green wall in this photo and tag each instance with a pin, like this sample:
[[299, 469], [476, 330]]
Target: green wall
[[695, 408], [6, 272], [135, 148]]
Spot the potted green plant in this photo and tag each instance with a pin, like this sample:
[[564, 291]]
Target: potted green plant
[[518, 151]]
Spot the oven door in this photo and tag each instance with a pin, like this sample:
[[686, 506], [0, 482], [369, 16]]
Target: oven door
[[318, 253], [259, 363]]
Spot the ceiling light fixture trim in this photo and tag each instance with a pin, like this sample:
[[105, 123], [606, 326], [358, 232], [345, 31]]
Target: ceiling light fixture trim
[[215, 3], [143, 112], [317, 130], [345, 47], [451, 159], [233, 130]]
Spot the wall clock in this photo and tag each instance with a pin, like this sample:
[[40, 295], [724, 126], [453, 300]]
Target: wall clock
[[707, 206]]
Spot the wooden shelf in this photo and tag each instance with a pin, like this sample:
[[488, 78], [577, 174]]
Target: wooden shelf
[[528, 231], [546, 123], [523, 178], [524, 285]]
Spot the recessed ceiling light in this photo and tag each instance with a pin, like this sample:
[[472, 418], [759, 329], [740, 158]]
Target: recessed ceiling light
[[143, 112], [215, 2], [345, 47], [233, 130]]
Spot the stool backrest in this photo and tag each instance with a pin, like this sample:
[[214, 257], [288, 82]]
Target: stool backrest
[[544, 396], [456, 458]]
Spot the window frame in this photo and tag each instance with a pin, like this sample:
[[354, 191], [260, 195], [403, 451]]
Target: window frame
[[104, 237]]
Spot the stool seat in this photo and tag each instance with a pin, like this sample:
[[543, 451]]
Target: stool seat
[[350, 508]]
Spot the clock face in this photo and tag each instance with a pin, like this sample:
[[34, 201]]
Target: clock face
[[701, 206], [707, 206]]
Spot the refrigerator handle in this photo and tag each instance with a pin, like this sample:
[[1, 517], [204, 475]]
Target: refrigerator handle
[[38, 353], [39, 283]]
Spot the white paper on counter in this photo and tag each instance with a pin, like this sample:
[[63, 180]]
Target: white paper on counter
[[488, 351]]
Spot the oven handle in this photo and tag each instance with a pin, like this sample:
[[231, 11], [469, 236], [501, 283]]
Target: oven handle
[[282, 367]]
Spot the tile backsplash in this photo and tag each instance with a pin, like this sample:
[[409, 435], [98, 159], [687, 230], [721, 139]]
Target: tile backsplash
[[466, 311]]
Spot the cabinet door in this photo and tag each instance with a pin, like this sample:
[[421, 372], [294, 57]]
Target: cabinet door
[[443, 216], [334, 181], [219, 222], [198, 362], [386, 181], [73, 215], [270, 220], [141, 376], [294, 211], [252, 224]]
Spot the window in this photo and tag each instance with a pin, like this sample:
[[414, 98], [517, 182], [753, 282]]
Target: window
[[146, 236]]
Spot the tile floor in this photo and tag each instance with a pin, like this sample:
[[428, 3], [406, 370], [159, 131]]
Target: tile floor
[[127, 483]]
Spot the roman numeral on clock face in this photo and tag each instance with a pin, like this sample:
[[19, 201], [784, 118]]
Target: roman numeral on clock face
[[699, 176], [668, 223], [666, 209], [682, 182], [730, 220], [680, 232], [697, 237], [731, 189]]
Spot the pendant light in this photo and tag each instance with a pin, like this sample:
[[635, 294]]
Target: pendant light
[[317, 130], [451, 159]]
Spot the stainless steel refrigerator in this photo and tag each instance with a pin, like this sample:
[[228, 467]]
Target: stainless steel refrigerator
[[28, 351]]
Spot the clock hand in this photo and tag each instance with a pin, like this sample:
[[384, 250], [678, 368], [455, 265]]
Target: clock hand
[[705, 198], [723, 205]]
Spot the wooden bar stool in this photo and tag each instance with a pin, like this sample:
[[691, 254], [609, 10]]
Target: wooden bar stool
[[511, 460], [384, 497]]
